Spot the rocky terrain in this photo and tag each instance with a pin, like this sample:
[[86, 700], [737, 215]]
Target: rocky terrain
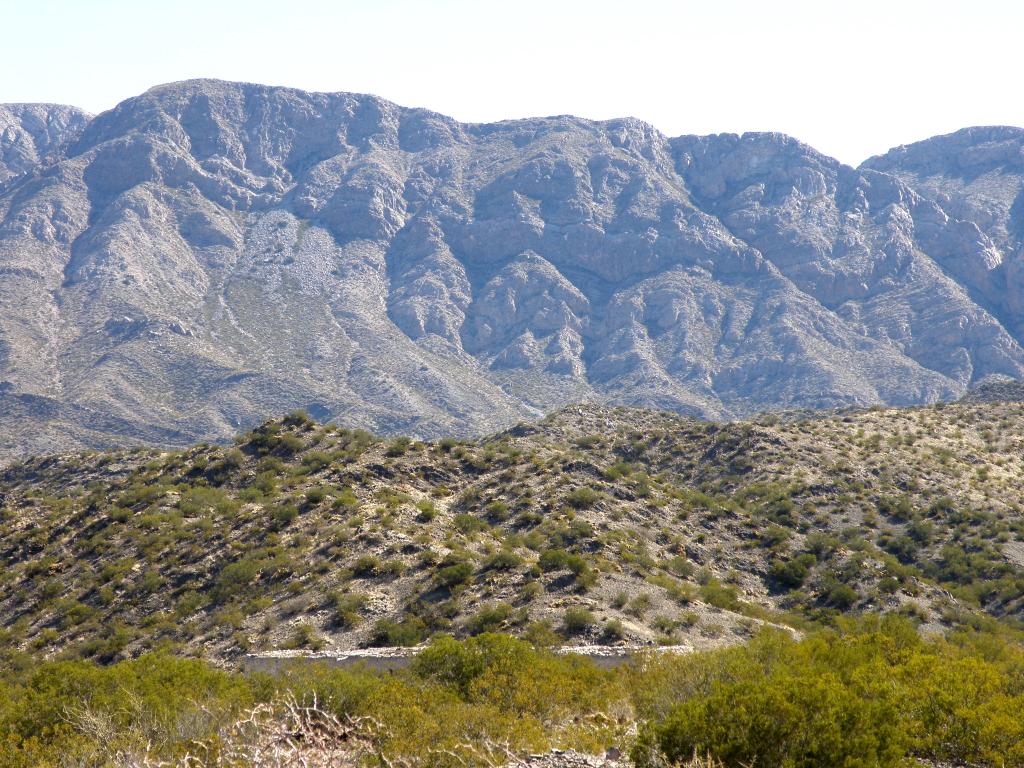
[[32, 135], [996, 391], [209, 254], [606, 526]]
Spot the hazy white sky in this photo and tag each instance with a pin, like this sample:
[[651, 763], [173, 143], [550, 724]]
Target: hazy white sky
[[850, 78]]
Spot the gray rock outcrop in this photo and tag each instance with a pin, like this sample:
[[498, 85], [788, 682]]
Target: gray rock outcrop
[[209, 254]]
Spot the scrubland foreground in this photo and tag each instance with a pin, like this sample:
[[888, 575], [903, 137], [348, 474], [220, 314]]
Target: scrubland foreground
[[851, 583], [871, 693]]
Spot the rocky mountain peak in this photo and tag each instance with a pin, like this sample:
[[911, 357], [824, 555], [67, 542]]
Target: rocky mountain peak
[[210, 253], [31, 132]]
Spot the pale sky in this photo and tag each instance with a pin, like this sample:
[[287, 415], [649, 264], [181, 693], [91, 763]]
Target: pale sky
[[849, 78]]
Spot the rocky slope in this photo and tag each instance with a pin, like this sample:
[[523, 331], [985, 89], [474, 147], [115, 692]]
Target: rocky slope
[[209, 254], [596, 525], [977, 176], [31, 135]]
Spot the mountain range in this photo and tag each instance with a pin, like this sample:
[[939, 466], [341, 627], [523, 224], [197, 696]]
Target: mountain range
[[209, 254]]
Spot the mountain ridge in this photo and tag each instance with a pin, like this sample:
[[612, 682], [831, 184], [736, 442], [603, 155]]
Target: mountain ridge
[[208, 254]]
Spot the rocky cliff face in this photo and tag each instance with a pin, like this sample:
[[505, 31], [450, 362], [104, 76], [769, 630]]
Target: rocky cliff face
[[977, 177], [210, 253], [31, 133]]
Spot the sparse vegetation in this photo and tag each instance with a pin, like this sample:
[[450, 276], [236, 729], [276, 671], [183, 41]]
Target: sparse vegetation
[[661, 529]]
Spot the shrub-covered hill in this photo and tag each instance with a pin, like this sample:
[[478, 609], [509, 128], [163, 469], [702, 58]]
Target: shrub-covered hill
[[594, 525]]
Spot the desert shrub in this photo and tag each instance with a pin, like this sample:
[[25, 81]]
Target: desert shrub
[[315, 461], [455, 575], [201, 500], [407, 631], [150, 582], [786, 720], [347, 608], [900, 508], [580, 530], [345, 500], [469, 524], [393, 568], [639, 605], [514, 676], [289, 445], [873, 693], [553, 560], [283, 515], [774, 536], [53, 712], [235, 578], [503, 560], [427, 510], [840, 596], [305, 636], [821, 545], [585, 578], [316, 495], [791, 573], [496, 510], [398, 447], [367, 567], [298, 418], [583, 498], [577, 620], [490, 618], [679, 566], [719, 595], [612, 631]]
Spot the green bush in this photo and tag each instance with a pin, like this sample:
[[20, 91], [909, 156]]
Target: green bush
[[787, 719], [235, 578], [791, 573], [513, 676], [490, 618], [504, 560], [283, 515], [612, 631], [583, 498], [347, 608], [407, 631], [398, 447], [497, 511], [455, 575], [316, 495], [577, 620], [871, 695], [469, 524], [553, 560], [45, 711], [367, 567], [841, 596], [305, 636]]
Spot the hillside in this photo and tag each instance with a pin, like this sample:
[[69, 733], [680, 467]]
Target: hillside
[[208, 255], [595, 525]]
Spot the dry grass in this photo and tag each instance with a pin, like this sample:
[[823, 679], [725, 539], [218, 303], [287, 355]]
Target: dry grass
[[281, 734], [287, 733]]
